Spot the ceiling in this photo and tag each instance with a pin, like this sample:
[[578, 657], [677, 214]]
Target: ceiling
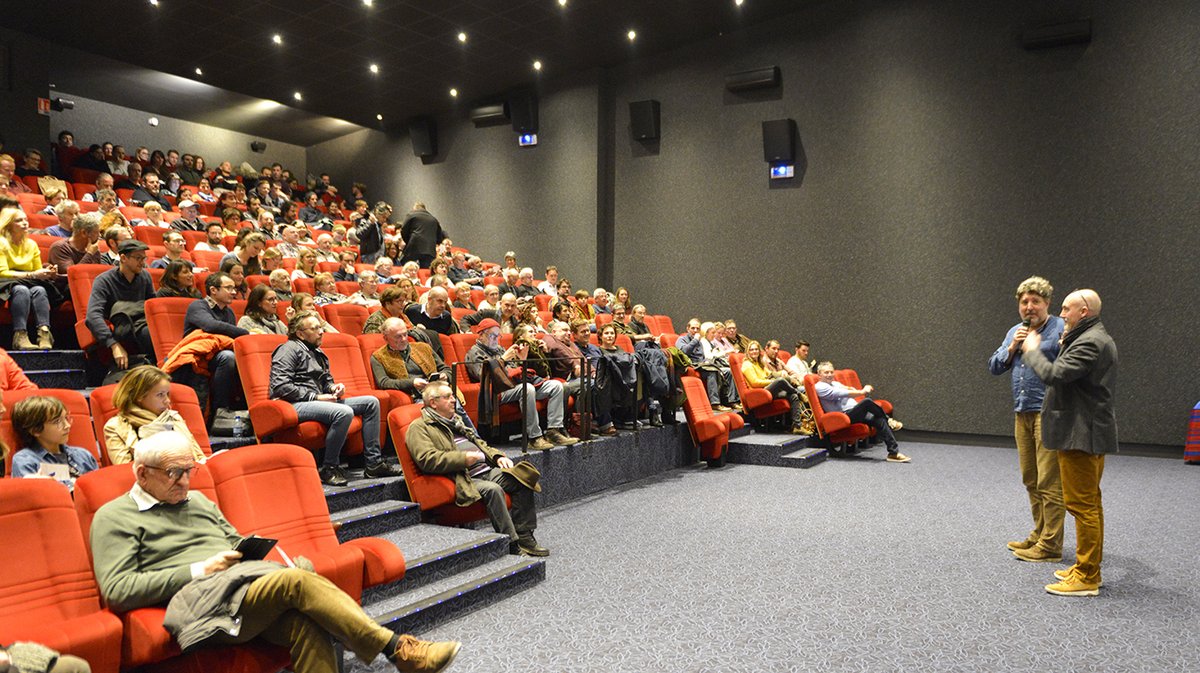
[[328, 46]]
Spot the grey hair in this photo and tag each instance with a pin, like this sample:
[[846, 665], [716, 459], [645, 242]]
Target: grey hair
[[555, 324], [599, 291], [65, 205], [87, 222], [154, 449], [391, 323], [434, 389], [824, 364]]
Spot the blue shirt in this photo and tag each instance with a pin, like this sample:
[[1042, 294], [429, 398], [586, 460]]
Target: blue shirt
[[26, 462], [690, 346], [1028, 390]]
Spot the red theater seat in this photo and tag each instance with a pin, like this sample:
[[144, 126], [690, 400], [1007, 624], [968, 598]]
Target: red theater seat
[[834, 426], [367, 344], [77, 406], [79, 279], [165, 317], [757, 402], [48, 594], [183, 400], [709, 430]]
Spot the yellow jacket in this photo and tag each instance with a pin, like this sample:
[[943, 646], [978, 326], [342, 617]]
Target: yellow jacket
[[24, 257], [756, 375]]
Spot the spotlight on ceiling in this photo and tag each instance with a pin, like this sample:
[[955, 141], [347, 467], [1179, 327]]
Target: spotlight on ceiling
[[562, 3], [632, 35], [297, 96], [739, 3], [154, 3], [454, 93], [368, 3], [374, 69], [199, 72], [462, 37], [379, 117], [277, 38], [537, 65]]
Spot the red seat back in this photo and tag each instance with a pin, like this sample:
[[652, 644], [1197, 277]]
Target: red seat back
[[79, 279], [149, 235], [77, 406], [207, 259], [183, 400], [367, 344], [253, 353], [347, 318], [165, 317]]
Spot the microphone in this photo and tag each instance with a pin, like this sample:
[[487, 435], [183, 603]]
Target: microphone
[[1025, 322]]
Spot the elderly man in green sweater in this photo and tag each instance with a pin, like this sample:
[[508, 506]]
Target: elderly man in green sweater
[[161, 542]]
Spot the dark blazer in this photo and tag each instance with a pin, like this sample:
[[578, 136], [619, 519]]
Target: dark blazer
[[421, 233], [1079, 411]]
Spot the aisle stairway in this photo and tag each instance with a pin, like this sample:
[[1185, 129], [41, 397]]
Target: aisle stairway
[[53, 368]]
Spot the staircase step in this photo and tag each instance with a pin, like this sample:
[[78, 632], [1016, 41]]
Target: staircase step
[[804, 458], [433, 553], [376, 519], [72, 379], [422, 609], [365, 492], [764, 448], [52, 359]]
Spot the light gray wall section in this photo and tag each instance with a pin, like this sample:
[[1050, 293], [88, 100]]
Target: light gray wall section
[[944, 164], [93, 121], [490, 194]]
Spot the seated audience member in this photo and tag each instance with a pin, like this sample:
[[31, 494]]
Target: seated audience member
[[212, 315], [526, 288], [581, 334], [386, 272], [151, 190], [434, 314], [368, 291], [622, 298], [281, 283], [563, 312], [459, 273], [512, 283], [154, 217], [564, 292], [300, 375], [326, 290], [290, 247], [223, 178], [104, 182], [204, 191], [368, 230], [491, 298], [266, 226], [25, 282], [157, 540], [247, 254], [13, 185], [43, 425], [113, 235], [393, 247], [231, 221], [325, 251], [31, 165], [441, 444], [214, 241], [238, 273], [617, 398], [66, 211], [83, 247], [132, 179], [189, 217], [527, 315], [550, 285], [12, 377], [143, 402], [438, 267], [798, 365], [403, 365], [638, 331], [740, 342], [303, 301], [306, 264], [510, 262], [411, 271], [758, 375], [187, 170], [720, 338], [311, 213], [462, 297], [54, 195], [581, 308], [346, 268], [715, 362], [262, 316], [178, 281], [174, 242], [836, 396], [392, 302], [108, 204], [487, 347], [563, 357], [270, 260], [92, 160], [509, 314]]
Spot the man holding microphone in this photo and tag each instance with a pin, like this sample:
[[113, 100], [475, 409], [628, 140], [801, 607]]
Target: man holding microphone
[[1039, 465]]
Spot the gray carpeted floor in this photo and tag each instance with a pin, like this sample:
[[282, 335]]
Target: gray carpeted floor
[[855, 565]]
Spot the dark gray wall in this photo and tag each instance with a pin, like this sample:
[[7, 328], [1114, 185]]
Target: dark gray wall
[[94, 121], [20, 122], [490, 194], [944, 164]]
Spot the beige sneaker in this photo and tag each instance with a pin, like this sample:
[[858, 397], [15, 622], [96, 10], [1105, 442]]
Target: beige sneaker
[[1067, 572], [1037, 555], [559, 438], [1023, 544], [895, 424], [45, 338], [423, 656], [21, 341], [1073, 586], [541, 444], [898, 458]]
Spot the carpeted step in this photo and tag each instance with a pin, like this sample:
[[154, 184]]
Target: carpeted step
[[71, 379], [433, 553], [425, 607], [48, 360], [365, 492], [376, 518], [804, 458], [760, 448]]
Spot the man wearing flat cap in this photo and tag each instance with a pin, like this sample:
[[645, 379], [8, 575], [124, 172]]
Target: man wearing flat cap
[[441, 444], [119, 298]]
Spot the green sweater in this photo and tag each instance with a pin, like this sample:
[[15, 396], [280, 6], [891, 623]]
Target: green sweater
[[143, 558]]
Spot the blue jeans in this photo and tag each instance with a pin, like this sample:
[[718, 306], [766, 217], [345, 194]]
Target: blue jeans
[[20, 297], [336, 416]]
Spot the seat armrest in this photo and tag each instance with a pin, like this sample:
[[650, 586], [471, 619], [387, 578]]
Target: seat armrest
[[384, 562], [834, 420], [271, 416]]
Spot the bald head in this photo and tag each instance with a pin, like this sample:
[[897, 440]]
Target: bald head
[[1078, 305]]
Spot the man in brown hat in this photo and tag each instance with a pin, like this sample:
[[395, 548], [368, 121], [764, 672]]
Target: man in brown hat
[[441, 444]]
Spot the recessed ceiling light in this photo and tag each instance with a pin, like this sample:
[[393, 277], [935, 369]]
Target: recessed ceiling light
[[368, 3], [537, 65], [562, 3], [297, 96], [379, 117], [454, 93], [374, 69], [738, 2], [632, 35], [462, 37], [199, 72], [277, 38], [154, 3]]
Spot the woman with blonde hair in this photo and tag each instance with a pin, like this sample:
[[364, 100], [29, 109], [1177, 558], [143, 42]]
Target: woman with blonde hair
[[759, 375], [24, 281], [306, 264], [143, 402], [304, 302], [154, 216]]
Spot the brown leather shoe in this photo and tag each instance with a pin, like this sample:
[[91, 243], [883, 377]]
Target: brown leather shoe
[[423, 656], [558, 438], [541, 444]]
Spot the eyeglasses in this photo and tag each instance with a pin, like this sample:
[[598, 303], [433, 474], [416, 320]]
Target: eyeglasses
[[174, 473]]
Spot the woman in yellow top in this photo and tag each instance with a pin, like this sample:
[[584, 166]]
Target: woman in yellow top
[[758, 375], [21, 261], [143, 401]]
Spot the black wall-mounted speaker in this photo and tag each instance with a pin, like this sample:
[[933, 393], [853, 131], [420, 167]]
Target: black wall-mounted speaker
[[779, 140], [748, 80], [258, 146], [423, 133], [489, 115], [1058, 34], [523, 110], [644, 119]]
